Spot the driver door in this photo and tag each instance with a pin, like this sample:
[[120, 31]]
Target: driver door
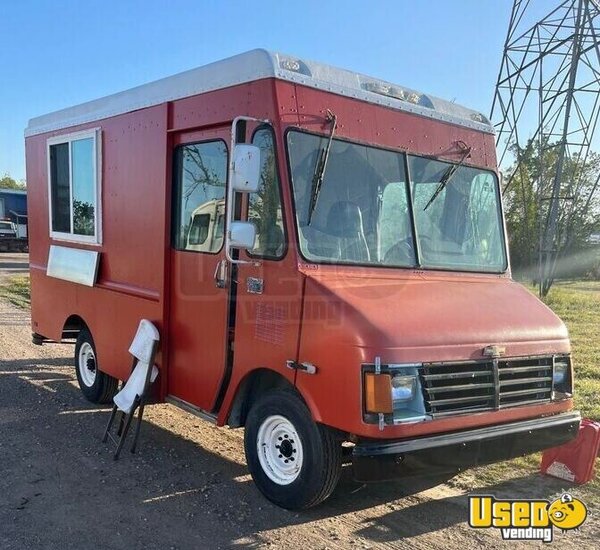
[[198, 307]]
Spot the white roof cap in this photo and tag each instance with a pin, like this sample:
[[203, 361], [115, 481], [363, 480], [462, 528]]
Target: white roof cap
[[256, 65]]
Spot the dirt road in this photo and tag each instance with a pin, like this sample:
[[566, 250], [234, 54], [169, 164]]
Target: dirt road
[[188, 486], [13, 263]]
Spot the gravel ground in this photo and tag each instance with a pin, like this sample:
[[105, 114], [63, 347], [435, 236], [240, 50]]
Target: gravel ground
[[188, 486]]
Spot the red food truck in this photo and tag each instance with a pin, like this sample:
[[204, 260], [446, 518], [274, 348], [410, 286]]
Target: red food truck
[[324, 255]]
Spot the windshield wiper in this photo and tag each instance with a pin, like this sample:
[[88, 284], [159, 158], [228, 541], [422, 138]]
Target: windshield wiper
[[450, 171], [317, 179]]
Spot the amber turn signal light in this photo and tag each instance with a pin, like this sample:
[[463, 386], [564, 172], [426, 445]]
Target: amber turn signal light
[[378, 393]]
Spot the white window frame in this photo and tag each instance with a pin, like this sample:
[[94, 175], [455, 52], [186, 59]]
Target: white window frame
[[96, 135]]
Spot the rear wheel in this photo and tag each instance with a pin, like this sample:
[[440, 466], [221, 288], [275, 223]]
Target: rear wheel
[[96, 386], [295, 462]]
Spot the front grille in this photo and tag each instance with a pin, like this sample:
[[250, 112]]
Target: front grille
[[458, 388], [524, 381]]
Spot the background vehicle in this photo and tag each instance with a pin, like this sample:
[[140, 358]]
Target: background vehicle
[[10, 241], [13, 207], [8, 229], [207, 226], [360, 292]]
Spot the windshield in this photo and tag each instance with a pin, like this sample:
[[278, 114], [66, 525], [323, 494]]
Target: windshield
[[6, 226], [366, 207]]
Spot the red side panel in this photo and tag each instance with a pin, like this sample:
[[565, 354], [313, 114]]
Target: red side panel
[[132, 254]]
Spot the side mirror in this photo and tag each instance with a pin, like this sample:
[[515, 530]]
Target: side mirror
[[243, 235], [246, 168]]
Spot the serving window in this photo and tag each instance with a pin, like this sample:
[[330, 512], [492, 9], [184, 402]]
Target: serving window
[[74, 186]]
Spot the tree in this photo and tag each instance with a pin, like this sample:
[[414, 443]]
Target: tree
[[6, 182], [526, 203], [83, 218]]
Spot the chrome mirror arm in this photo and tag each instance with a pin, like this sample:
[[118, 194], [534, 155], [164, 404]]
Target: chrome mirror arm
[[229, 210]]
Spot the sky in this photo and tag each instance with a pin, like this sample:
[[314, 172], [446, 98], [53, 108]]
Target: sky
[[58, 53]]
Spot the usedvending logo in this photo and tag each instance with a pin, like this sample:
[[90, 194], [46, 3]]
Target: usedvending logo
[[526, 519]]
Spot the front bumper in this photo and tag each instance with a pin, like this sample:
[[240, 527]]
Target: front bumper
[[382, 460]]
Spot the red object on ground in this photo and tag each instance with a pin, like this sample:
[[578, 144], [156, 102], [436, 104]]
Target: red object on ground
[[574, 461]]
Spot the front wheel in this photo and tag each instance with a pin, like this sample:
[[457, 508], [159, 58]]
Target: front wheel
[[96, 386], [295, 462]]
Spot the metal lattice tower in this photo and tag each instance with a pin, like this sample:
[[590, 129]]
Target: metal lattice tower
[[548, 91]]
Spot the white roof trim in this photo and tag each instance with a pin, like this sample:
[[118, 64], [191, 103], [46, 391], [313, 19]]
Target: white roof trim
[[247, 67]]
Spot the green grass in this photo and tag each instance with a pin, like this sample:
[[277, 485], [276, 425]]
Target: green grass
[[17, 291], [578, 305]]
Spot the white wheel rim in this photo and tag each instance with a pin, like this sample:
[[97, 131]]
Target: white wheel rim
[[279, 450], [87, 364]]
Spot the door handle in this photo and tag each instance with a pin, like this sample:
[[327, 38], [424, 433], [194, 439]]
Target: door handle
[[221, 274]]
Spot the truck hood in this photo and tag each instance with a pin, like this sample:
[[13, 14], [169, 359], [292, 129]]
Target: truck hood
[[428, 318]]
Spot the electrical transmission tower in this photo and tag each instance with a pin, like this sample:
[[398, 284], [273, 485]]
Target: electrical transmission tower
[[548, 96]]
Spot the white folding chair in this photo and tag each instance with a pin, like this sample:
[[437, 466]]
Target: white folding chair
[[133, 393]]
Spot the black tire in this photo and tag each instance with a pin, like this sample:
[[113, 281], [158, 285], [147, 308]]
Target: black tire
[[104, 386], [321, 452]]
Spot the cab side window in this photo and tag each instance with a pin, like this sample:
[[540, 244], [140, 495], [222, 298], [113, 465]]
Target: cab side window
[[264, 208], [199, 196]]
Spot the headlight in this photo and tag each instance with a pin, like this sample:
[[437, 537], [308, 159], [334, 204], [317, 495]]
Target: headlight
[[403, 388], [392, 394], [562, 382], [384, 392], [561, 372]]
